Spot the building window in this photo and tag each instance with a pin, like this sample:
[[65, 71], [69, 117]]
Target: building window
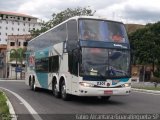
[[7, 22], [19, 43], [24, 43], [6, 28], [12, 43], [24, 18], [18, 29], [18, 23], [0, 27], [23, 30], [18, 18], [12, 23], [24, 24], [6, 34], [0, 39], [29, 19], [6, 16], [0, 33], [12, 29]]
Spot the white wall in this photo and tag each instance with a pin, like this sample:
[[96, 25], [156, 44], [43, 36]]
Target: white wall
[[16, 27]]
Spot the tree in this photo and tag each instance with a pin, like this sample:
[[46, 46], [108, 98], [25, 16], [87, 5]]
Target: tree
[[16, 54], [62, 16], [145, 45]]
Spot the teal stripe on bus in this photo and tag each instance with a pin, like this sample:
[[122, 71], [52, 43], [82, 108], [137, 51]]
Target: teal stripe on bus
[[43, 79], [42, 53]]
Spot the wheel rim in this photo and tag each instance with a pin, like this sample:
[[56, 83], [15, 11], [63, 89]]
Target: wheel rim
[[34, 86], [63, 91], [55, 91], [31, 83]]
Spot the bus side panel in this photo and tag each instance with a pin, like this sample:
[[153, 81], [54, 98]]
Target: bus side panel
[[42, 79]]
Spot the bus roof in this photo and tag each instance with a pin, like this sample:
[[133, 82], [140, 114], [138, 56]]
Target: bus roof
[[74, 18]]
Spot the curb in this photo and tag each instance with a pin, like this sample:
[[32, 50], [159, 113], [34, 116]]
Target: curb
[[11, 109], [12, 80], [147, 91]]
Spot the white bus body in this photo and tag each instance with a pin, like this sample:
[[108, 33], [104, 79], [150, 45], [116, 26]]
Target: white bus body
[[52, 66]]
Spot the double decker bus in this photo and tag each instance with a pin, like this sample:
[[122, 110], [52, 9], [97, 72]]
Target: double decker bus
[[82, 56]]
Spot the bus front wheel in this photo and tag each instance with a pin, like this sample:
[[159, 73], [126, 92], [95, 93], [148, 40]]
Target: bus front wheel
[[105, 98], [64, 95]]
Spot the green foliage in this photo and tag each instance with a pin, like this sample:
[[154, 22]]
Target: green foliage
[[16, 54], [156, 73], [37, 32], [3, 105], [145, 45], [62, 16]]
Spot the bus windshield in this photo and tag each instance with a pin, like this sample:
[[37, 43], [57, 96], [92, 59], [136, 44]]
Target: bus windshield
[[100, 30], [105, 62]]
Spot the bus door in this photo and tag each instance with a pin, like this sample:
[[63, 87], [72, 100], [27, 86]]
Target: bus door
[[73, 63]]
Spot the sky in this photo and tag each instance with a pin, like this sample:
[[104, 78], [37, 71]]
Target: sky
[[127, 11]]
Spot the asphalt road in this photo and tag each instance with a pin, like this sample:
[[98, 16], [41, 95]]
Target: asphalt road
[[44, 102]]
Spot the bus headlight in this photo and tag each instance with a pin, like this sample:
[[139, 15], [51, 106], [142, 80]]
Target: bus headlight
[[84, 84], [127, 85]]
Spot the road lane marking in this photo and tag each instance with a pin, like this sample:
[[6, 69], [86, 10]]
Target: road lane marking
[[26, 104]]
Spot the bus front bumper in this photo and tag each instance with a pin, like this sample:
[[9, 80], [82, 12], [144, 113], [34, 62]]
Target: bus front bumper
[[91, 91]]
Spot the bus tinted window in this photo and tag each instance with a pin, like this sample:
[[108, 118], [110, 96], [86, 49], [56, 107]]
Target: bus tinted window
[[51, 38], [102, 31], [72, 35], [53, 63], [72, 30], [41, 65]]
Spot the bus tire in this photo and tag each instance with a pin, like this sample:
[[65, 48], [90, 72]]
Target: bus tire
[[33, 85], [105, 98], [64, 95], [55, 90]]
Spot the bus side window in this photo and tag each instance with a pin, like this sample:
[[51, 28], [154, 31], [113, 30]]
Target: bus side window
[[72, 35], [54, 63]]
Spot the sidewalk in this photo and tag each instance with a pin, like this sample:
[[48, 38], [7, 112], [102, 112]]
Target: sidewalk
[[136, 86], [148, 91]]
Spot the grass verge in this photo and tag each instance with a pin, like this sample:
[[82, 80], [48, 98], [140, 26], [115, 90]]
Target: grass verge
[[4, 109]]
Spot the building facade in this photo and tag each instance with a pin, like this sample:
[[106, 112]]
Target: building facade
[[3, 60], [15, 55], [16, 24], [14, 33]]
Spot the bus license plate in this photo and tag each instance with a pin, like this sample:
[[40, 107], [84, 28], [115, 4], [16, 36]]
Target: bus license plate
[[108, 92]]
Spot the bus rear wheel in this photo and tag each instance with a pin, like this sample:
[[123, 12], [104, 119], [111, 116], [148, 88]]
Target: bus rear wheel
[[33, 86], [55, 90], [64, 95]]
